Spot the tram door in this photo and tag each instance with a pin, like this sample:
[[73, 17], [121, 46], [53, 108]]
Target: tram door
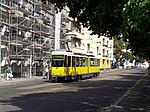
[[74, 72], [67, 65]]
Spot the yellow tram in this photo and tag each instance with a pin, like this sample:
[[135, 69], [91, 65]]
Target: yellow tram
[[73, 66]]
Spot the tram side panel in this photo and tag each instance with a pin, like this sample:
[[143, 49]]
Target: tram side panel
[[80, 68]]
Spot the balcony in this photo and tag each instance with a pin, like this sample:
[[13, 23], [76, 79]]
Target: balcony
[[75, 35], [22, 24], [24, 8], [5, 5], [4, 13], [52, 12], [90, 51], [45, 18], [99, 42], [5, 38], [77, 50], [46, 5], [105, 55], [5, 22], [105, 45], [41, 33], [98, 53]]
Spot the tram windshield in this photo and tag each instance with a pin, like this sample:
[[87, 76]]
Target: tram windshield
[[57, 60]]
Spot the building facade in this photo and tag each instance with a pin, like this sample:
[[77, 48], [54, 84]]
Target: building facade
[[27, 35]]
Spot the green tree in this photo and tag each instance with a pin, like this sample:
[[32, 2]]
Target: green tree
[[103, 17], [129, 56], [136, 18], [118, 47], [120, 50]]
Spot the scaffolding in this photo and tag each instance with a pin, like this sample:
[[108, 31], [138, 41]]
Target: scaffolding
[[27, 36]]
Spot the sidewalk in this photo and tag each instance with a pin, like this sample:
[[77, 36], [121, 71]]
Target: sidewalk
[[2, 80], [40, 77], [20, 79], [111, 70]]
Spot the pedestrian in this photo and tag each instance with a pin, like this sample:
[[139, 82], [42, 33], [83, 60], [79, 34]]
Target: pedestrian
[[8, 72], [45, 74]]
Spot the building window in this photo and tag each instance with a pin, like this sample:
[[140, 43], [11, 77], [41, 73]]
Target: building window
[[88, 47], [107, 62], [97, 50], [103, 51], [110, 55], [103, 41], [111, 45], [103, 61]]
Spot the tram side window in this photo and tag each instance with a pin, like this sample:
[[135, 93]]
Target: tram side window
[[81, 61], [84, 62], [73, 61], [69, 61], [77, 61], [95, 62], [57, 61], [92, 62]]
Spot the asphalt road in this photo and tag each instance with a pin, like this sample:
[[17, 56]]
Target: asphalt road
[[107, 93]]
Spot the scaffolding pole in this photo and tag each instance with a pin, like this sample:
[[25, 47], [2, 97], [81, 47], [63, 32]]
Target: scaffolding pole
[[0, 35], [21, 19]]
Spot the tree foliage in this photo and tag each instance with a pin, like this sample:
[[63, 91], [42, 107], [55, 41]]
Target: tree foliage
[[120, 50], [103, 17], [136, 18], [118, 47], [114, 17]]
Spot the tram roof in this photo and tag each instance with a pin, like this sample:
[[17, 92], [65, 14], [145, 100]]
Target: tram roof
[[67, 53], [62, 53]]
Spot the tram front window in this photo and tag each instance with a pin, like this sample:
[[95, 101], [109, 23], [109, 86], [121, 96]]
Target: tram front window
[[57, 60]]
